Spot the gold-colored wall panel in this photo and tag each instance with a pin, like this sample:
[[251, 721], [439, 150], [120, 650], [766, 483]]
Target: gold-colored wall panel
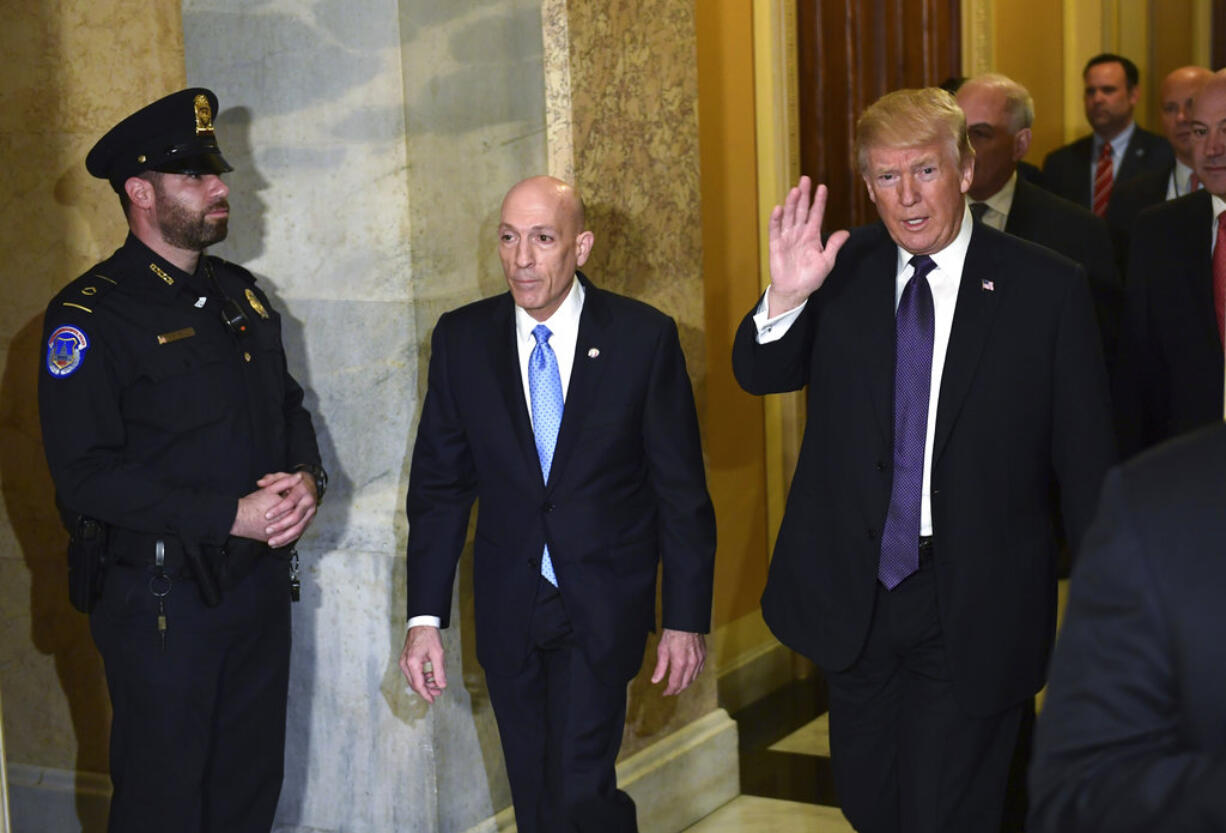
[[71, 70], [1029, 50], [734, 421], [633, 139]]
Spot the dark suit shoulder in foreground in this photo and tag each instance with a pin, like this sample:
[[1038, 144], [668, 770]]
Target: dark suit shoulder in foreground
[[1131, 737]]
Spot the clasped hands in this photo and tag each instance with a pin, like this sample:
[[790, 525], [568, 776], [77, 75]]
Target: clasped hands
[[279, 511]]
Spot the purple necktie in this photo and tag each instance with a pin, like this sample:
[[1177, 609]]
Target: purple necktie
[[912, 380]]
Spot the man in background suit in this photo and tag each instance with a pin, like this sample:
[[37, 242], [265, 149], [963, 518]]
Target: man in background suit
[[1088, 170], [916, 560], [1178, 91], [1169, 376], [567, 412], [999, 114], [1131, 737]]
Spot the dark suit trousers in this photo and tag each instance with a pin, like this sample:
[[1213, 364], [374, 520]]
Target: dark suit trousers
[[561, 728], [906, 758]]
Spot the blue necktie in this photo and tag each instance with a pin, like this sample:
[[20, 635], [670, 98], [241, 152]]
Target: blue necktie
[[545, 386], [912, 381]]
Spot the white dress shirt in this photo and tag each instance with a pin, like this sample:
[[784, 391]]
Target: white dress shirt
[[1179, 182], [999, 204], [1219, 205], [944, 281], [564, 324]]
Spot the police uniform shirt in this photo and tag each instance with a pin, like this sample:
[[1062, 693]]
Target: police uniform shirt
[[156, 416]]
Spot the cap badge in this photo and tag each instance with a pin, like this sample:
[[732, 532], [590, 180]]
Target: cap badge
[[204, 116], [256, 305]]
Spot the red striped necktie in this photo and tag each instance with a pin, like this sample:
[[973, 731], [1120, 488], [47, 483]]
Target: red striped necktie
[[1104, 180]]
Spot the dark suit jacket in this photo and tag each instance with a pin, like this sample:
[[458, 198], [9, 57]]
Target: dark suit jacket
[[1023, 403], [1079, 235], [1066, 170], [626, 489], [1130, 200], [1169, 374], [1131, 736]]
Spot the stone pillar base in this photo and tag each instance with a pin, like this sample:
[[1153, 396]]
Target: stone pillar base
[[674, 782]]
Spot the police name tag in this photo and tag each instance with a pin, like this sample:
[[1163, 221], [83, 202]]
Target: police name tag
[[177, 335]]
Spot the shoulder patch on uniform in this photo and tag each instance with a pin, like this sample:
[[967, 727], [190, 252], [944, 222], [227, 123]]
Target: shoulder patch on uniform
[[65, 350]]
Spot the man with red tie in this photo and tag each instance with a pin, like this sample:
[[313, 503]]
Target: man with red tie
[[1170, 365], [1088, 170]]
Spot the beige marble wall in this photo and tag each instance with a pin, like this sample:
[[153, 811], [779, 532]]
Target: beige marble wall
[[71, 70], [622, 93]]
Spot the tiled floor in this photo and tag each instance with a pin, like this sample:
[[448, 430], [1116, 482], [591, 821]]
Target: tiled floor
[[785, 767], [786, 783], [770, 815]]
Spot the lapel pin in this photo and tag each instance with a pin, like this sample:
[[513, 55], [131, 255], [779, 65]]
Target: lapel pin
[[988, 286], [593, 353]]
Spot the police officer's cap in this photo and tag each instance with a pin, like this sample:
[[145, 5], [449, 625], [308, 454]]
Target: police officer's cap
[[173, 135]]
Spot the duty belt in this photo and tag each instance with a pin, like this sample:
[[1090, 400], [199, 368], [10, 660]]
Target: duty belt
[[230, 563]]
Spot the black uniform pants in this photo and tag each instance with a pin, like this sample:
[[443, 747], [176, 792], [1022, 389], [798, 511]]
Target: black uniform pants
[[198, 730], [906, 757], [561, 727]]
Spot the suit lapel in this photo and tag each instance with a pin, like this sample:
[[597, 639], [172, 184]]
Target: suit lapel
[[973, 316], [1196, 255], [1134, 155], [585, 374], [1083, 152], [504, 358], [1021, 214]]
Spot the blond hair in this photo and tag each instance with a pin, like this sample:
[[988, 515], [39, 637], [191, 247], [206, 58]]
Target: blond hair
[[912, 118]]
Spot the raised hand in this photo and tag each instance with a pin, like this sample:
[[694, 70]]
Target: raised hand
[[798, 260]]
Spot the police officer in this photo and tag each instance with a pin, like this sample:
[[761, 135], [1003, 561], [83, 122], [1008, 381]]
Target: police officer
[[176, 435]]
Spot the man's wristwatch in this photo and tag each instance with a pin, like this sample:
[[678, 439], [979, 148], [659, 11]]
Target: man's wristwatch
[[319, 475]]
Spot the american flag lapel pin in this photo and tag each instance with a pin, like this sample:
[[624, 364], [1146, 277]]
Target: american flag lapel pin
[[988, 286], [593, 353]]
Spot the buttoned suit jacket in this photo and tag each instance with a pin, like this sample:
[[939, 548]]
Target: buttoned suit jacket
[[1066, 170], [1023, 403], [1169, 376], [1131, 736], [626, 489], [1075, 232]]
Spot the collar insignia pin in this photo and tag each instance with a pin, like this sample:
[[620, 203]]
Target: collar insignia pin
[[593, 353], [988, 286]]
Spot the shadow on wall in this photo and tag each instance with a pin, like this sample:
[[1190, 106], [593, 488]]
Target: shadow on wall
[[57, 630], [245, 242]]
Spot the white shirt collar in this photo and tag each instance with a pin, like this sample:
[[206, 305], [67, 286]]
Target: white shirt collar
[[1002, 201], [951, 258], [564, 322], [1117, 144]]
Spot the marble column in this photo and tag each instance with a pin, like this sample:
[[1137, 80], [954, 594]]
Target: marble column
[[372, 146]]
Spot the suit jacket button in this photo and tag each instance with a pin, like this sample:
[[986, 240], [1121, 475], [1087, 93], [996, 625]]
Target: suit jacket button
[[880, 466], [870, 534], [548, 507]]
